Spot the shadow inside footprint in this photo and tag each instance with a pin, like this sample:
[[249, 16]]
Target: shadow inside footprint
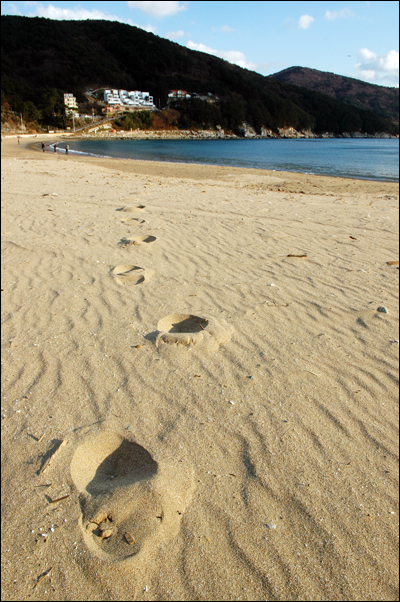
[[181, 329], [132, 208], [187, 330], [133, 221], [110, 461], [136, 240], [182, 323], [131, 274], [128, 464]]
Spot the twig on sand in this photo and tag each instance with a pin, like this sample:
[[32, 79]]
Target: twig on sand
[[315, 374], [63, 497], [43, 577]]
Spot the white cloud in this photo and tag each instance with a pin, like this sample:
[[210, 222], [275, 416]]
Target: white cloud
[[224, 29], [72, 14], [367, 55], [227, 29], [368, 76], [175, 34], [14, 10], [232, 56], [148, 28], [305, 21], [76, 14], [378, 69], [332, 15], [159, 9]]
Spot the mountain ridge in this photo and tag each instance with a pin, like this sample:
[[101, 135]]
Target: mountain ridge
[[382, 100], [42, 58]]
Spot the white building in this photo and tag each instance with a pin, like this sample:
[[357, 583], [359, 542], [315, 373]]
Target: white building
[[177, 94], [70, 101], [131, 99], [71, 106], [111, 97]]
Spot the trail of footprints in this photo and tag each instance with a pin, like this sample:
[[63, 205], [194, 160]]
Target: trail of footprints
[[129, 502], [128, 273]]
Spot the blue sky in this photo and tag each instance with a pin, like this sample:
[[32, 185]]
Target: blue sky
[[356, 39]]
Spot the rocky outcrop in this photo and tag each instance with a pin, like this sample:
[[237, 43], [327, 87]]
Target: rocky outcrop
[[246, 131], [267, 133], [289, 133], [162, 134]]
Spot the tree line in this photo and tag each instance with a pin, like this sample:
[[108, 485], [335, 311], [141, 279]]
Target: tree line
[[42, 58]]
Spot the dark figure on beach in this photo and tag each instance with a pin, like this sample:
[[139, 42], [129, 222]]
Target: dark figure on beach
[[43, 146], [55, 147], [18, 140], [67, 149]]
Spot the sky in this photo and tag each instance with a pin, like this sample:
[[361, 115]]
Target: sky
[[355, 39]]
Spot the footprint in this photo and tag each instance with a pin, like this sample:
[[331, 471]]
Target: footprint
[[131, 274], [132, 208], [188, 330], [133, 221], [136, 240], [129, 502]]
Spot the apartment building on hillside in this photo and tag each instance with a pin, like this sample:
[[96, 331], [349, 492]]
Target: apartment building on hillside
[[178, 94], [129, 99], [71, 106]]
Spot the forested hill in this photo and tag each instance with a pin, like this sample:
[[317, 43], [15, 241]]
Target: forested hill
[[381, 100], [42, 58]]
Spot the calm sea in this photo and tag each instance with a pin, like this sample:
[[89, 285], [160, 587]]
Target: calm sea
[[371, 159]]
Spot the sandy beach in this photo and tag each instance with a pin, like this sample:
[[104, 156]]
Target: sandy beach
[[199, 382]]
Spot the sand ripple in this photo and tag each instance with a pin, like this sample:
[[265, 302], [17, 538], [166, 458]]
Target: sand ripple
[[272, 454]]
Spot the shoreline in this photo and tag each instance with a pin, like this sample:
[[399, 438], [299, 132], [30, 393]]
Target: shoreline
[[34, 146]]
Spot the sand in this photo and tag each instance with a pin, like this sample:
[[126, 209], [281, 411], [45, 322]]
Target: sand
[[195, 366]]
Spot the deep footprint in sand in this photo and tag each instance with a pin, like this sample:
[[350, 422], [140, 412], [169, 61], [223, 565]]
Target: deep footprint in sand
[[188, 330], [129, 502], [132, 208], [133, 221], [136, 240], [131, 274]]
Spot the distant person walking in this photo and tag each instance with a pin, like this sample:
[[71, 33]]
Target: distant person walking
[[43, 146], [67, 149], [18, 138], [55, 147]]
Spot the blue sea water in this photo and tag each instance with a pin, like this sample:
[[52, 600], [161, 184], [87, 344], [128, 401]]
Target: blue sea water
[[365, 158]]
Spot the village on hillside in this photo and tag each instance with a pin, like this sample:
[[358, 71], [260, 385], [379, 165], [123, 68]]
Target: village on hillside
[[116, 101], [119, 111]]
